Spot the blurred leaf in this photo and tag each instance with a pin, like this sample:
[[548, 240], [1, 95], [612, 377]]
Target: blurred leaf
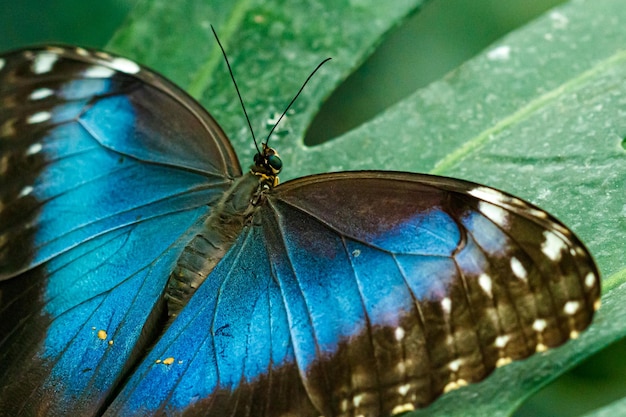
[[540, 114], [618, 408], [272, 47], [428, 45], [77, 22]]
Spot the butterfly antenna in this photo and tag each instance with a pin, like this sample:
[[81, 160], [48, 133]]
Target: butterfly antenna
[[232, 76], [294, 99]]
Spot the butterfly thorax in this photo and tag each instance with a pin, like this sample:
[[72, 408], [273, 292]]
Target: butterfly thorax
[[230, 215]]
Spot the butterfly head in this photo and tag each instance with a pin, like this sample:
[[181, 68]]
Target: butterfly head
[[267, 165]]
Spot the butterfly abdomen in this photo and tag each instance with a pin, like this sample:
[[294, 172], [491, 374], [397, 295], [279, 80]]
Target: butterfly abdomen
[[209, 246]]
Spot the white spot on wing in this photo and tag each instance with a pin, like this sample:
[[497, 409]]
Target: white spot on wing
[[2, 63], [487, 194], [590, 280], [356, 253], [571, 307], [552, 246], [403, 389], [25, 191], [539, 325], [518, 269], [98, 72], [44, 62], [399, 333], [455, 365], [501, 341], [40, 93], [501, 53], [496, 214], [446, 305], [34, 149], [485, 283], [125, 65], [39, 117]]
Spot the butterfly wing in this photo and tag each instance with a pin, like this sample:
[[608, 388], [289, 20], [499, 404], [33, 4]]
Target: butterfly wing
[[105, 170], [368, 294]]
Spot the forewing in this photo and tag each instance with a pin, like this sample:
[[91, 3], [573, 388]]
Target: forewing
[[105, 170]]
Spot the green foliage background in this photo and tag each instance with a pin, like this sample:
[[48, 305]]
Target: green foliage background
[[577, 95]]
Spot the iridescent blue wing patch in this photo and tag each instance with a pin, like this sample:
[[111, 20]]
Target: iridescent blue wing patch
[[368, 293], [105, 170]]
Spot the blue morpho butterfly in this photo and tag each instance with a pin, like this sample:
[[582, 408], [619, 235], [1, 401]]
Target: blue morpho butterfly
[[343, 294]]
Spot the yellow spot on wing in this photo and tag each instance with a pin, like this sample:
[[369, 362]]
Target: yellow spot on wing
[[403, 408], [102, 335], [168, 361], [505, 360], [451, 386]]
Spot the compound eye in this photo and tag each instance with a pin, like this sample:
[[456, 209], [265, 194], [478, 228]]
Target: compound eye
[[275, 163]]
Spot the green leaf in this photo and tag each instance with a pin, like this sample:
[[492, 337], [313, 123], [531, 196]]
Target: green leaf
[[540, 114], [272, 48], [618, 408], [61, 21]]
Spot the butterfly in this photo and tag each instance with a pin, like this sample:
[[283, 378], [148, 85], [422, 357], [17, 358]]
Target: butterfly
[[145, 273]]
